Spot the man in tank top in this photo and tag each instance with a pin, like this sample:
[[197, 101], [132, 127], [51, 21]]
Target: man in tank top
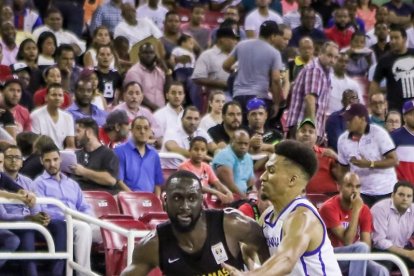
[[195, 241], [294, 231]]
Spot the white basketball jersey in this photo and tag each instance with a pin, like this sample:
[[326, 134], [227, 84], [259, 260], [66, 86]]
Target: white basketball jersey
[[320, 261]]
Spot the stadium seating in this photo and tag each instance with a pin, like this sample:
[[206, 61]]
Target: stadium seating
[[103, 203]]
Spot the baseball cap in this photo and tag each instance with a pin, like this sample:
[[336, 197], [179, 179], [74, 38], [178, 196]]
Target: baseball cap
[[408, 106], [12, 79], [307, 121], [226, 32], [255, 103], [19, 66], [116, 117], [356, 109]]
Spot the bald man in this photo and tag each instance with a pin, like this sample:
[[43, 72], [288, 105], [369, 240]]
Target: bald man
[[306, 53], [195, 241]]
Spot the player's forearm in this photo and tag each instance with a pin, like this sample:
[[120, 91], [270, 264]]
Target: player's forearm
[[275, 266]]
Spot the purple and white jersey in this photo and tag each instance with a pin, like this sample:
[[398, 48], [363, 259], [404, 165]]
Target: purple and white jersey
[[320, 261]]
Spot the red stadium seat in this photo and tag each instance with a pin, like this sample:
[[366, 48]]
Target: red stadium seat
[[146, 207], [116, 245], [103, 203], [317, 199]]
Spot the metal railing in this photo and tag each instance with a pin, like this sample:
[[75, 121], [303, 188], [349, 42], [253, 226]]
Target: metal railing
[[68, 255]]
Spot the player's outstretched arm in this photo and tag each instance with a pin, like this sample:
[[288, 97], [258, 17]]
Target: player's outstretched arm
[[145, 257], [239, 228], [302, 232]]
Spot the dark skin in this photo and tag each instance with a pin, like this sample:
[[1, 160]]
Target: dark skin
[[184, 199]]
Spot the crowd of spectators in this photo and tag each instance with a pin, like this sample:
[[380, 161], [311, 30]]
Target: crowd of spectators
[[118, 83]]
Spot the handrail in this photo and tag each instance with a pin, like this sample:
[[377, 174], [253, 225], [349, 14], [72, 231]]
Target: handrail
[[374, 257]]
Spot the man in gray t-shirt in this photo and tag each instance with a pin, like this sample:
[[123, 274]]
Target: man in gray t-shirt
[[259, 65]]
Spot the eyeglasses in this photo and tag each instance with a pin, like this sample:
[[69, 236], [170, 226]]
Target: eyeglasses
[[13, 157]]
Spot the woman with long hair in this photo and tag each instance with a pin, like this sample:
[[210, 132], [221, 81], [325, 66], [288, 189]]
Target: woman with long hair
[[47, 45], [216, 101], [101, 37]]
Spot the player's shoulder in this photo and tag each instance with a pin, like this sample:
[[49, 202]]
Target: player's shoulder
[[149, 242]]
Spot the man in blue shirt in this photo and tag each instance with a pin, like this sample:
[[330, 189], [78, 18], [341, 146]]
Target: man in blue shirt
[[8, 212], [139, 163], [53, 183], [234, 166]]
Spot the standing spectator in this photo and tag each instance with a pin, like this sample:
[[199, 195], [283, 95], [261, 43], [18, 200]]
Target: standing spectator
[[401, 11], [139, 163], [341, 32], [150, 76], [259, 65], [109, 80], [349, 224], [404, 140], [258, 16], [234, 166], [397, 70], [154, 11], [8, 43], [340, 82], [82, 107], [116, 129], [231, 19], [25, 19], [382, 46], [108, 15], [53, 183], [53, 121], [368, 150], [54, 24], [310, 92], [196, 27], [393, 121], [97, 166], [393, 221], [335, 124], [307, 28], [216, 100], [12, 93]]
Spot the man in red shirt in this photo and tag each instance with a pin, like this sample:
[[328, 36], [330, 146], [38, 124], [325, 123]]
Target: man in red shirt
[[349, 224], [342, 31]]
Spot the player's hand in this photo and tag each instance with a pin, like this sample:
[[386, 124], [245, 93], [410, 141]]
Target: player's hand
[[232, 270], [356, 201]]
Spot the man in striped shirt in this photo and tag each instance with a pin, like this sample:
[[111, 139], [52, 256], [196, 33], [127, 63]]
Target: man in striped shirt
[[311, 90]]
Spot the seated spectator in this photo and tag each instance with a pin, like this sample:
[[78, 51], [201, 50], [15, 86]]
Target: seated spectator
[[28, 54], [368, 150], [196, 27], [17, 212], [307, 28], [233, 165], [100, 37], [51, 75], [349, 224], [231, 19], [177, 138], [139, 163], [153, 10], [216, 100], [325, 179], [65, 61], [356, 23], [46, 45], [306, 50], [98, 98], [382, 46], [393, 121], [54, 24], [195, 164], [8, 43], [132, 96], [53, 121], [232, 117], [361, 58], [404, 141], [325, 9], [378, 106], [32, 166], [53, 183], [25, 141], [393, 221], [25, 19], [400, 10], [366, 11], [22, 72], [116, 129], [259, 15], [150, 76], [97, 167], [82, 107], [342, 31], [335, 124], [109, 80], [172, 32], [171, 113], [134, 28]]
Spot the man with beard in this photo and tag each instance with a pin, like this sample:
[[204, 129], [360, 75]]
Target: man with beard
[[53, 183], [97, 167], [115, 130], [295, 234], [8, 43], [7, 119], [139, 163], [83, 107], [195, 241], [177, 139], [232, 117], [342, 31]]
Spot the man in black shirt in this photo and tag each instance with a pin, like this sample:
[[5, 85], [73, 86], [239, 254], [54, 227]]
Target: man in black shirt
[[397, 68], [195, 241], [97, 167]]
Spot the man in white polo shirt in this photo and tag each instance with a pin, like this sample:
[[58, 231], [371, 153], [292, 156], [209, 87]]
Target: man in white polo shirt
[[368, 150]]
